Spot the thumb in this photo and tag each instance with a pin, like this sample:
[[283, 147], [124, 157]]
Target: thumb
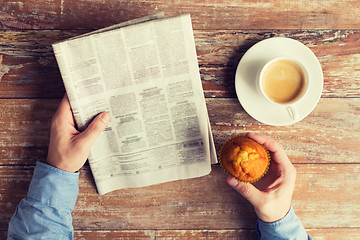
[[247, 190], [95, 128]]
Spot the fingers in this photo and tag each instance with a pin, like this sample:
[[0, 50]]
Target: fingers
[[269, 143], [234, 135], [95, 128], [63, 114], [247, 190], [278, 153], [64, 106], [285, 167]]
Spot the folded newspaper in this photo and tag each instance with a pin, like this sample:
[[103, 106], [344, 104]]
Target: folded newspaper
[[145, 74]]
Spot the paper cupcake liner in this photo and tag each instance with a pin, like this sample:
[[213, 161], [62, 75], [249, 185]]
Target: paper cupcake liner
[[226, 171]]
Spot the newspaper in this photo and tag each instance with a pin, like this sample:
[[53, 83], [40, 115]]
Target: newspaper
[[145, 74]]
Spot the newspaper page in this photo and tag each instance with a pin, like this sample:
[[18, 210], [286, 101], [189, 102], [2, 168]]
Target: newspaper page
[[146, 76]]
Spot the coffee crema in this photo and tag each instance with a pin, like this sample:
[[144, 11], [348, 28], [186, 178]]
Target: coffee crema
[[283, 81]]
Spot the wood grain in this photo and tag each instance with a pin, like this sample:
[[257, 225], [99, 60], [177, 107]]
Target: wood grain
[[201, 203], [338, 52], [320, 234], [25, 129], [207, 234], [123, 235], [319, 138], [322, 137], [206, 14], [335, 233], [323, 146], [162, 203], [28, 68]]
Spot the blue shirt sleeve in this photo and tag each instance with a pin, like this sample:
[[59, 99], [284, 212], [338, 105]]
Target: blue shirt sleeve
[[289, 227], [45, 213]]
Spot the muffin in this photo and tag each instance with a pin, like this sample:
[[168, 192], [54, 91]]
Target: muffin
[[245, 159]]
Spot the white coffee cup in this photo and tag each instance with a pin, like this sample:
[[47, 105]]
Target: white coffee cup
[[283, 81]]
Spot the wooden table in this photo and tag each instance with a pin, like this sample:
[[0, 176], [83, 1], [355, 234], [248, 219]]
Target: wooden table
[[324, 147]]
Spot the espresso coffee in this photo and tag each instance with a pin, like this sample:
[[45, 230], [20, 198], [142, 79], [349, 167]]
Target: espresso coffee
[[283, 81]]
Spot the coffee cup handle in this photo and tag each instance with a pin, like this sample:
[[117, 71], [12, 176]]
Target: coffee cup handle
[[293, 112]]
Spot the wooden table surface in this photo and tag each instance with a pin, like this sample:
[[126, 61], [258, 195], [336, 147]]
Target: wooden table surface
[[324, 147]]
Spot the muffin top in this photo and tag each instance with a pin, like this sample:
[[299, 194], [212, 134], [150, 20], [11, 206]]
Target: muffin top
[[244, 159]]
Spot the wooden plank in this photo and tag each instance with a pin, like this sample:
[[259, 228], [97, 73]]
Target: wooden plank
[[333, 233], [207, 234], [28, 68], [25, 124], [325, 196], [206, 14], [125, 234], [101, 234], [338, 52], [320, 234], [322, 137], [201, 203], [25, 129]]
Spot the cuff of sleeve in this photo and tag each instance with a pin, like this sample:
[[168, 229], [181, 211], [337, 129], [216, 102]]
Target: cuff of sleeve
[[289, 227], [54, 187]]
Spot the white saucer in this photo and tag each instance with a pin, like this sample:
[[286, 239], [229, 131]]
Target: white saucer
[[246, 76]]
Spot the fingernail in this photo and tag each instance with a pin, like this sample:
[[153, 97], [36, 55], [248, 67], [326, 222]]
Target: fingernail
[[105, 117], [233, 182]]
